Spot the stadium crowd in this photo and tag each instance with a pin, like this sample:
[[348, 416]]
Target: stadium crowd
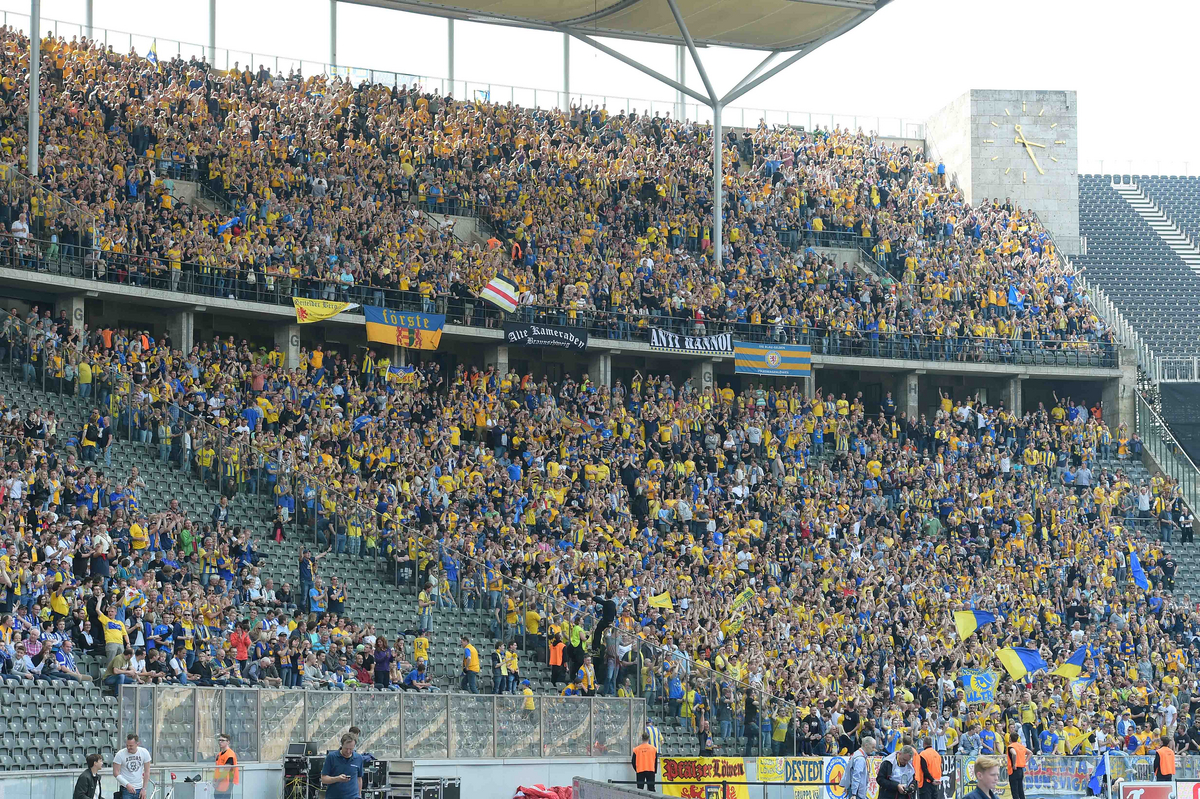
[[810, 551], [601, 220], [803, 555]]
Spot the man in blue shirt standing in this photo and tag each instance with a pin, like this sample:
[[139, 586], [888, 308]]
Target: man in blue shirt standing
[[343, 771]]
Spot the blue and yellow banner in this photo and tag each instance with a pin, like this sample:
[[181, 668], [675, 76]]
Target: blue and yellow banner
[[780, 360], [416, 331], [979, 685]]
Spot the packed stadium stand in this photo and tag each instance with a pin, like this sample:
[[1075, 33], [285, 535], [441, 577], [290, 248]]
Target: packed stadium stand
[[324, 524]]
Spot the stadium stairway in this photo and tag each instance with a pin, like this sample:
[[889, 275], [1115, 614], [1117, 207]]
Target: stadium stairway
[[372, 597], [1161, 223], [163, 481]]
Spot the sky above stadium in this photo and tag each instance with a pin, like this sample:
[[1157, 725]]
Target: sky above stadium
[[1135, 105]]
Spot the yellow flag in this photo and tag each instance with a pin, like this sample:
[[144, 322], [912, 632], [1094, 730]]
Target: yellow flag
[[662, 601], [741, 600], [319, 310]]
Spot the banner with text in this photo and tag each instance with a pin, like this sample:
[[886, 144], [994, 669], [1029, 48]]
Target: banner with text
[[662, 340], [309, 311], [776, 360], [531, 335], [416, 331], [701, 777]]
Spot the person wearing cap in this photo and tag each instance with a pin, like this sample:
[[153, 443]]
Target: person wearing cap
[[225, 776]]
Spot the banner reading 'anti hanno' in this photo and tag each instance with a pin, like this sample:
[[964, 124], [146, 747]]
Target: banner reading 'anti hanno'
[[720, 344]]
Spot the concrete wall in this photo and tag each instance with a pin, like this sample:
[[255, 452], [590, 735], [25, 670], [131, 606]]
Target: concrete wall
[[975, 135], [1001, 167], [948, 139], [499, 779]]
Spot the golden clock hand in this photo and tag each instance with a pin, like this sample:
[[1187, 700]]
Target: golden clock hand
[[1029, 150]]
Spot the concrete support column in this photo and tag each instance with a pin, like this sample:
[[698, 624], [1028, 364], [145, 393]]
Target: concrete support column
[[566, 99], [287, 339], [703, 375], [450, 56], [76, 312], [399, 356], [212, 33], [910, 398], [497, 356], [35, 66], [182, 327], [88, 15], [600, 369], [333, 33], [1119, 394], [680, 75], [1013, 394], [810, 384]]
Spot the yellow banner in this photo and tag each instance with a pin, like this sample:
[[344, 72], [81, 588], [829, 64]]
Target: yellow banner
[[701, 777], [662, 601], [308, 311]]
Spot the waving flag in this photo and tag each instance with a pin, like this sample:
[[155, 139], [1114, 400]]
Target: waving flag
[[1019, 661], [361, 422], [501, 291], [1072, 667], [968, 621], [152, 56], [1139, 574], [661, 601], [1080, 685], [979, 685], [1098, 775]]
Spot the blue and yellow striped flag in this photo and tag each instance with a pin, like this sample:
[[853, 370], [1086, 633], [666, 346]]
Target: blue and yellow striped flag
[[1072, 667], [968, 621], [779, 360], [1019, 661]]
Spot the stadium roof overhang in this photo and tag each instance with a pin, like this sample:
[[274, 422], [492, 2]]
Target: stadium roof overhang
[[771, 25]]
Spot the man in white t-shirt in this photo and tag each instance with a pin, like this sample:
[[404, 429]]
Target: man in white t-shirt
[[129, 767]]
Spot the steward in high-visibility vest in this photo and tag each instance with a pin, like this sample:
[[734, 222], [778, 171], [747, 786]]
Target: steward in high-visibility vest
[[225, 776], [1018, 756], [927, 766], [645, 763], [1164, 761]]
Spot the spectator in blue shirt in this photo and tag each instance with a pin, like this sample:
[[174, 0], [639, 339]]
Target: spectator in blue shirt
[[343, 771]]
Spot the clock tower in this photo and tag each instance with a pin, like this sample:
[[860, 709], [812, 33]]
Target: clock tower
[[1022, 145]]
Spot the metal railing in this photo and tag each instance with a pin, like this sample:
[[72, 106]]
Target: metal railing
[[179, 724], [485, 91], [123, 269], [1160, 444]]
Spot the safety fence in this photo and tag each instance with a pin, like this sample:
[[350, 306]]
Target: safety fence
[[180, 724]]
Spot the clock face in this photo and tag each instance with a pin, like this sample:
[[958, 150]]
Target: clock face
[[1029, 134]]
